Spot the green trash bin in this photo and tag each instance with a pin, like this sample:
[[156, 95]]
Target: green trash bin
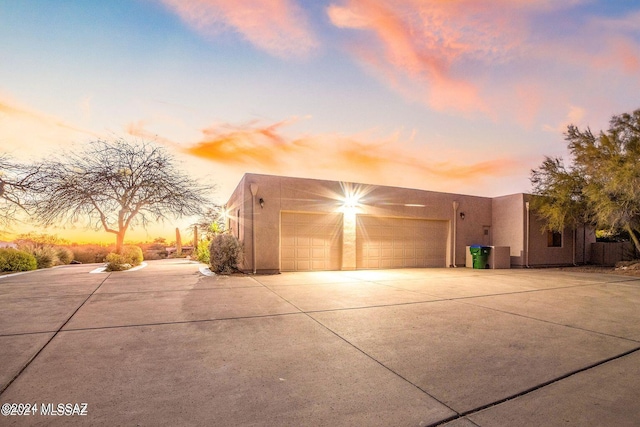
[[480, 255]]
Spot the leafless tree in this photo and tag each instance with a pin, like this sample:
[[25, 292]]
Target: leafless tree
[[15, 183], [114, 185]]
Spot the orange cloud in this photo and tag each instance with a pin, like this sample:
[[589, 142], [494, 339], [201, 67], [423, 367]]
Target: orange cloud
[[265, 148], [14, 111], [25, 131], [276, 26]]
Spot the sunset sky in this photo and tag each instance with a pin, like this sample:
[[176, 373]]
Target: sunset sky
[[461, 96]]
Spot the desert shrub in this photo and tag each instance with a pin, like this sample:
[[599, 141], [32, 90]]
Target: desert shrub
[[225, 253], [153, 250], [88, 254], [15, 260], [130, 257], [65, 255], [46, 256], [133, 254], [151, 255], [202, 251], [117, 262]]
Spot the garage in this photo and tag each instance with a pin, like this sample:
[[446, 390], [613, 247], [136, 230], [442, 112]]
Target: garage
[[310, 241], [383, 242]]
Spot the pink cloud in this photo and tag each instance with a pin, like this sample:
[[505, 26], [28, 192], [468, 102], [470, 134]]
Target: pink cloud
[[426, 42], [482, 56], [279, 27]]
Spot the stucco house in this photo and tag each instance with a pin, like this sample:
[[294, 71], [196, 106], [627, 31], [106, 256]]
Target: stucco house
[[296, 224]]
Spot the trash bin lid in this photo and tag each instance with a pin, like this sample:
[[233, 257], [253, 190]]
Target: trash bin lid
[[476, 246]]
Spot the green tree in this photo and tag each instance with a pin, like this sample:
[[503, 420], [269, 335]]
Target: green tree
[[602, 185], [563, 203], [115, 185], [212, 221]]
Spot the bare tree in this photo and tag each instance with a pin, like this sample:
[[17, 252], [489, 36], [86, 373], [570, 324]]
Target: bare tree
[[15, 183], [114, 185]]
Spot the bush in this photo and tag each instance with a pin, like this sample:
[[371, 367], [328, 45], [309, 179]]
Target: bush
[[130, 257], [133, 254], [202, 251], [226, 253], [15, 260], [150, 255], [46, 256], [65, 256], [117, 262], [88, 254]]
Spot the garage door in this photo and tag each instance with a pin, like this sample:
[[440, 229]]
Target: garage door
[[310, 241], [397, 242]]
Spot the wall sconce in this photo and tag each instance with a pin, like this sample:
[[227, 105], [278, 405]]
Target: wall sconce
[[261, 203], [462, 215]]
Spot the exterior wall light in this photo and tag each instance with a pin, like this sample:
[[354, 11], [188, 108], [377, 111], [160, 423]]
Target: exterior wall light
[[462, 215], [351, 201], [261, 201]]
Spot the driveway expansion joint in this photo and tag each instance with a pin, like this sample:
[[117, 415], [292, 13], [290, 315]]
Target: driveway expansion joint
[[535, 388], [182, 322], [549, 321], [26, 365], [365, 353]]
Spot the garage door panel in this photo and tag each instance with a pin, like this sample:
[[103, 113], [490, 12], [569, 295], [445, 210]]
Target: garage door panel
[[302, 265], [288, 241], [310, 241], [288, 252], [303, 253], [373, 252], [403, 242], [303, 241], [288, 265], [318, 241]]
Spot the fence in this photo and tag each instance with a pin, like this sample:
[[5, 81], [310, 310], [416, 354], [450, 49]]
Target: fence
[[608, 253]]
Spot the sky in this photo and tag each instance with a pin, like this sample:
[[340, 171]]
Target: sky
[[461, 96]]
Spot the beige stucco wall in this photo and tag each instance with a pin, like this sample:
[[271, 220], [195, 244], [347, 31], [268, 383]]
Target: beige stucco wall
[[504, 218], [508, 215], [572, 249], [237, 215], [310, 195]]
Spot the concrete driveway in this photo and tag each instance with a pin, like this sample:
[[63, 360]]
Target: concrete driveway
[[166, 345]]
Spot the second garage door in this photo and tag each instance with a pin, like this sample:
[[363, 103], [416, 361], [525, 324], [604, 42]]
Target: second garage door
[[400, 242], [310, 241]]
